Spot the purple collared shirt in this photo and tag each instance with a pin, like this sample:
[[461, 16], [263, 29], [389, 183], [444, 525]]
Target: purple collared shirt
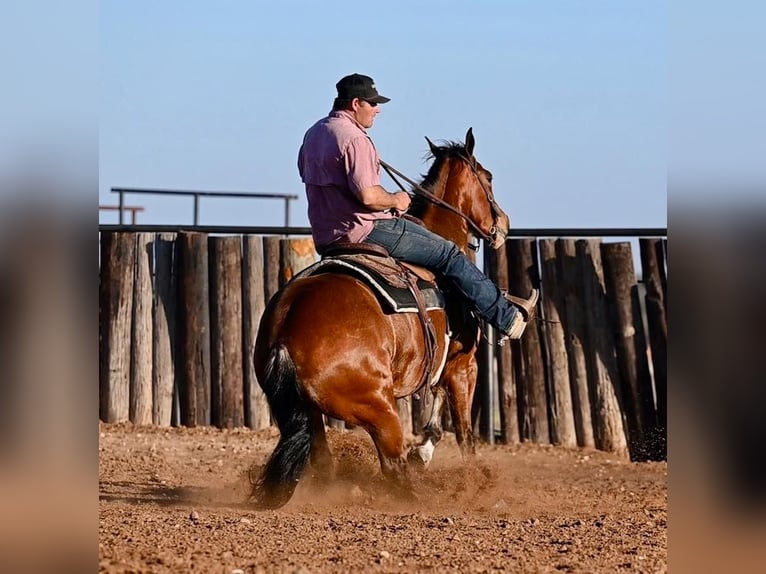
[[336, 162]]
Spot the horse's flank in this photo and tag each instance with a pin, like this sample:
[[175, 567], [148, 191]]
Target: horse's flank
[[327, 316]]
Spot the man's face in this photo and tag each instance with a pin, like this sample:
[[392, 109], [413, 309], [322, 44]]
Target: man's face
[[364, 112]]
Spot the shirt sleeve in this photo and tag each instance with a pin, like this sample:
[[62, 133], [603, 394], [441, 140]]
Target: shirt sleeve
[[362, 167]]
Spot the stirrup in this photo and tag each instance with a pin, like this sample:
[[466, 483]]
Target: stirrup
[[526, 306]]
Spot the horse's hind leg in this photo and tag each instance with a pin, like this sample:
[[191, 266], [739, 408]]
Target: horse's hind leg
[[422, 454], [320, 456]]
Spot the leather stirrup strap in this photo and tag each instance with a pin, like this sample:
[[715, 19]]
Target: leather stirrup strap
[[429, 337]]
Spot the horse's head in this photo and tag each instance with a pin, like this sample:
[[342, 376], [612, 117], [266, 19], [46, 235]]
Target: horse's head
[[458, 178]]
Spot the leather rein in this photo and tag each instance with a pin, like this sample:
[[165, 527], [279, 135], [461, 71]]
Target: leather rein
[[423, 192]]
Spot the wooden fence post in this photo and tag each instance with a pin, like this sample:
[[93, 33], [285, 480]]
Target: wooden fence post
[[603, 377], [253, 303], [294, 256], [164, 330], [194, 329], [506, 385], [118, 252], [652, 266], [573, 319], [560, 406], [227, 410], [141, 345], [633, 366], [271, 280], [529, 368]]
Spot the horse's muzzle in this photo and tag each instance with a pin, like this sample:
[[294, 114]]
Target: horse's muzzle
[[498, 233]]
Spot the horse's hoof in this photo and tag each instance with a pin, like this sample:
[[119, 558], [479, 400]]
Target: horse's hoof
[[415, 460], [420, 456]]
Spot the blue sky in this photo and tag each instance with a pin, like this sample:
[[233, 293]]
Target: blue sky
[[567, 100]]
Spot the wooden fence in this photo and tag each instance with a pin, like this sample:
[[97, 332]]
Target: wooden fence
[[178, 315]]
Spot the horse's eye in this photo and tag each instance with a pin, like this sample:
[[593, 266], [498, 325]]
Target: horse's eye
[[489, 177]]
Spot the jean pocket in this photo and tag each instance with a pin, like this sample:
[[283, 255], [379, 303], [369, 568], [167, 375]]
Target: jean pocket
[[385, 234]]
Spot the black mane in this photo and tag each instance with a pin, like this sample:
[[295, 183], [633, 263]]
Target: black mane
[[447, 150]]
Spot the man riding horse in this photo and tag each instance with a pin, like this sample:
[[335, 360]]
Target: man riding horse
[[339, 166]]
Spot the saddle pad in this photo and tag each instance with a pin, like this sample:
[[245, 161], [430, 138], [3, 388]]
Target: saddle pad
[[384, 276]]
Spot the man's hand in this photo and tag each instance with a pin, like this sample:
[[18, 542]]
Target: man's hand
[[401, 201]]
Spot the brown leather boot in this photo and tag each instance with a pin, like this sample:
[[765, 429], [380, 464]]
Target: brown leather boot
[[526, 306]]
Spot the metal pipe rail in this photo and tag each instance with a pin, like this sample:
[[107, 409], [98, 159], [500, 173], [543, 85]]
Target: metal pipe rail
[[196, 194]]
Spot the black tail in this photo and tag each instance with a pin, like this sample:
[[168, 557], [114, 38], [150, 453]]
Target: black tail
[[290, 410]]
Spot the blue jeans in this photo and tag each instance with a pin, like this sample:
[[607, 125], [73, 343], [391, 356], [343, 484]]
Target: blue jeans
[[412, 243]]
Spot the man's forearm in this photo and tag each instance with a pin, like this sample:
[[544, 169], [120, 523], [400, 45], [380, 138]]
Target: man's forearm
[[375, 198]]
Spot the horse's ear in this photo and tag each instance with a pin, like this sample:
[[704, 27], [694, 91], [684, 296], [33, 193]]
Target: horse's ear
[[469, 142], [432, 146]]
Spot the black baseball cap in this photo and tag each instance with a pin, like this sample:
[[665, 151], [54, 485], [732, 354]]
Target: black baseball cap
[[359, 86]]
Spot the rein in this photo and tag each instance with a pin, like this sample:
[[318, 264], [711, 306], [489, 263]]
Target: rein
[[438, 201]]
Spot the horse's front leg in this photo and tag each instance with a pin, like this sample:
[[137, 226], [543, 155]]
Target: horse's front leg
[[460, 383]]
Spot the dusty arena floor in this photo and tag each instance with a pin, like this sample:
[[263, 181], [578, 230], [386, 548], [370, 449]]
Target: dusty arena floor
[[173, 500]]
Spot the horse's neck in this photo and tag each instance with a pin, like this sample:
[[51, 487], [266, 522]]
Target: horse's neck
[[442, 222], [446, 224]]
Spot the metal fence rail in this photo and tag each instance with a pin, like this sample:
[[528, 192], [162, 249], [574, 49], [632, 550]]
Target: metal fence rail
[[197, 194]]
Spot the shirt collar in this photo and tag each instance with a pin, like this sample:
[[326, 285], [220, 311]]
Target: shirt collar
[[348, 115]]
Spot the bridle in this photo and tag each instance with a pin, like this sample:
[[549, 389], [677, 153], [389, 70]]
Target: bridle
[[418, 189]]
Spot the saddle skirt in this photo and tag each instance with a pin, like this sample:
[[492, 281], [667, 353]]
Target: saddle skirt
[[385, 276]]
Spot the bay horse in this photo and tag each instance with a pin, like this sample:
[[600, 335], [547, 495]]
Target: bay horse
[[326, 346]]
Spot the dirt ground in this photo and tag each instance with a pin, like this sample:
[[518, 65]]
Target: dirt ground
[[174, 500]]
